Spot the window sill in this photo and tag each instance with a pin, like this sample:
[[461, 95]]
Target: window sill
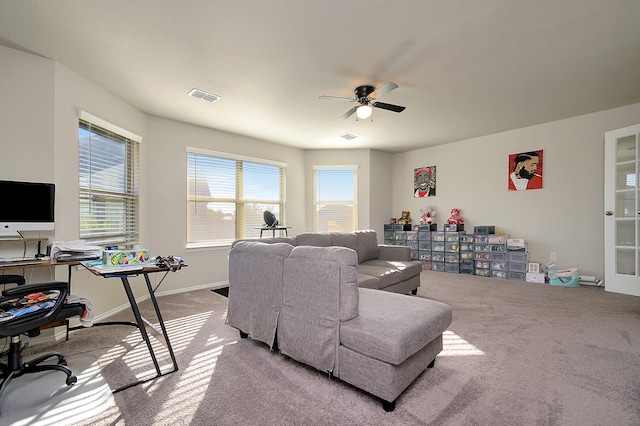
[[207, 247]]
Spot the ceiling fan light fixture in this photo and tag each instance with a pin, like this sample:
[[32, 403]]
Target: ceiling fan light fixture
[[364, 111]]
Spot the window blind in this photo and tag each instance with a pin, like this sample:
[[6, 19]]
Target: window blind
[[335, 198], [227, 197], [108, 187]]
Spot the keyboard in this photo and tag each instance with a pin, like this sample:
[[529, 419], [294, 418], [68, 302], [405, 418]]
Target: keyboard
[[19, 261]]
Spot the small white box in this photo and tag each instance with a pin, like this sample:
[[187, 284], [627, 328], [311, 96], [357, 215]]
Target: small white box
[[533, 267], [516, 244], [535, 278]]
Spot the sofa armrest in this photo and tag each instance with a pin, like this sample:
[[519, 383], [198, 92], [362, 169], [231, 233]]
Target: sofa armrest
[[391, 252]]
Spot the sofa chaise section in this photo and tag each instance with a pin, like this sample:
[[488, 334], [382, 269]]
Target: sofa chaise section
[[377, 341]]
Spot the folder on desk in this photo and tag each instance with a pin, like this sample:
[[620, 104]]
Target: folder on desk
[[102, 269]]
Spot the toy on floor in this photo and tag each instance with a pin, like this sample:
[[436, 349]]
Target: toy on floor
[[455, 217], [563, 277]]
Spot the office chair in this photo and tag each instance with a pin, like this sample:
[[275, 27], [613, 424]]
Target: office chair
[[30, 324]]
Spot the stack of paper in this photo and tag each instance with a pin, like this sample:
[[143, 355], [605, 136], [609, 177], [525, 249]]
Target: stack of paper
[[74, 250]]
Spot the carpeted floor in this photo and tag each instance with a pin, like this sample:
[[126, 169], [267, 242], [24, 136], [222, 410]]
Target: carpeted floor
[[516, 354], [42, 399]]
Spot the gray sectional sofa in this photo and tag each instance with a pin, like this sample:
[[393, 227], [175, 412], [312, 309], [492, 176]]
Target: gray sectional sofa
[[380, 267], [306, 301]]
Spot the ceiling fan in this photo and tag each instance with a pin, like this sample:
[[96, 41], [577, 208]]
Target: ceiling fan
[[365, 96]]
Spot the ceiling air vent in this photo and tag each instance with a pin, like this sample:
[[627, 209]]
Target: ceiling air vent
[[205, 96], [348, 136]]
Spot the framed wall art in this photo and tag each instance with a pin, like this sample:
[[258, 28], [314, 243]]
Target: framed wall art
[[525, 171], [424, 182]]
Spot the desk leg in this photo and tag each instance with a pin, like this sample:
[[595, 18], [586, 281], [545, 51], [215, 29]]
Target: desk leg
[[69, 281], [167, 342], [143, 332]]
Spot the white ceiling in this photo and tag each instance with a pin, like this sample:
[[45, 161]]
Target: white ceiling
[[465, 68]]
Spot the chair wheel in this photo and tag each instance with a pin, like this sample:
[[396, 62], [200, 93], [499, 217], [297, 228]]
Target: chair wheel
[[71, 380]]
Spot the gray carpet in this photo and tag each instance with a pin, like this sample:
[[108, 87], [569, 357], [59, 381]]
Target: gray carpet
[[43, 399], [516, 354]]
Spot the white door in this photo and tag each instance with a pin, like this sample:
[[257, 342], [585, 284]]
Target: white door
[[621, 211]]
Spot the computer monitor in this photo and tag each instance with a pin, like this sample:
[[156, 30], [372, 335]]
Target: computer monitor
[[26, 206]]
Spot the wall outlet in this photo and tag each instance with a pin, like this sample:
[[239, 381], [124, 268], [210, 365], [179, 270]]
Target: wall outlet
[[553, 256]]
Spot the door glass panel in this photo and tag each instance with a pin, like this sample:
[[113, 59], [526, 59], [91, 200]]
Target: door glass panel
[[626, 176], [626, 261], [625, 233], [626, 204], [626, 149]]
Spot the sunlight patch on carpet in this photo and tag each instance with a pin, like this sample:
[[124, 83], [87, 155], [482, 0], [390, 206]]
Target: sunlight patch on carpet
[[190, 391], [455, 345], [43, 399], [134, 352]]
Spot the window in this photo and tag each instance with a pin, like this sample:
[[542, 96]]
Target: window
[[227, 196], [335, 200], [108, 183]]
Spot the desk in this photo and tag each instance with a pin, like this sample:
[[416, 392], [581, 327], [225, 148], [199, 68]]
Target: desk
[[274, 229], [42, 264], [141, 323]]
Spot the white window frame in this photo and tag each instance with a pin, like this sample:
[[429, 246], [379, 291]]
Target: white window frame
[[110, 229], [317, 203], [238, 200]]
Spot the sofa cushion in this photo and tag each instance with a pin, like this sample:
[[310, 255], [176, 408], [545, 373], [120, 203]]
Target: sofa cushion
[[331, 276], [345, 239], [255, 288], [368, 281], [391, 327], [313, 239], [368, 248], [385, 276], [407, 269], [319, 291], [269, 240]]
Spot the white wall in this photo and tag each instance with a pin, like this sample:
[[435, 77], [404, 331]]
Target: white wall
[[380, 209], [565, 217], [26, 132], [26, 116], [165, 170]]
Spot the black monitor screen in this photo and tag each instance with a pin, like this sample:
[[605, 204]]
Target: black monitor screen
[[28, 203]]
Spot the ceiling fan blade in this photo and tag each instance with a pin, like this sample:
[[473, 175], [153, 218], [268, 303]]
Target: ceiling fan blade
[[337, 97], [349, 113], [389, 107], [384, 89]]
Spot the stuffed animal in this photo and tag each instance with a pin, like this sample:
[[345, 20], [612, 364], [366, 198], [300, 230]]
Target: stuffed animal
[[455, 217], [426, 216], [406, 218]]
